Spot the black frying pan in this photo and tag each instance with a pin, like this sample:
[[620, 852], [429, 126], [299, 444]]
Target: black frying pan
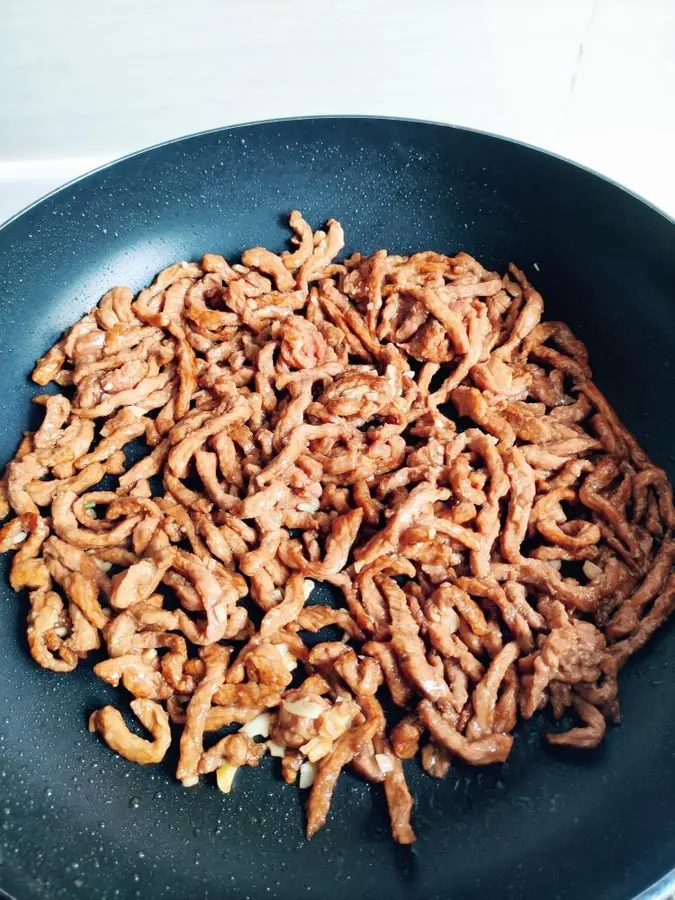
[[77, 821]]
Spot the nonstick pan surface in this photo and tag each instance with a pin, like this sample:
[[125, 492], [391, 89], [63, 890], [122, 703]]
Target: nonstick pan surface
[[78, 821]]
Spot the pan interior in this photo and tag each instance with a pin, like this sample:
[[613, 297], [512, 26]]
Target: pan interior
[[76, 819]]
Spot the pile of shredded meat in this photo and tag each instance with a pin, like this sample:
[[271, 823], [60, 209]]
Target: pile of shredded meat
[[405, 429]]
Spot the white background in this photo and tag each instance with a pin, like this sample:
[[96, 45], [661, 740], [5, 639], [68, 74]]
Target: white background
[[85, 81]]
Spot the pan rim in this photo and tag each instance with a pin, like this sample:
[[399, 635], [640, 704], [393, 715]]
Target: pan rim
[[337, 118], [663, 889]]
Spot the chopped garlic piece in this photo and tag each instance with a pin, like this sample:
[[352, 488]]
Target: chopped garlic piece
[[337, 720], [276, 749], [316, 748], [289, 661], [225, 776], [258, 727], [103, 565], [555, 564], [591, 570], [309, 587], [307, 773], [385, 764], [308, 709], [19, 537]]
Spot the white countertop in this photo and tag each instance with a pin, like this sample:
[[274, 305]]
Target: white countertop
[[84, 83]]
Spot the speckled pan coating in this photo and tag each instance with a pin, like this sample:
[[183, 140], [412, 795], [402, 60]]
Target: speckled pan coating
[[76, 821]]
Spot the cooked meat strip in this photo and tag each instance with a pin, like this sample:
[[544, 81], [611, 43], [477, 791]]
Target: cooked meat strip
[[109, 722]]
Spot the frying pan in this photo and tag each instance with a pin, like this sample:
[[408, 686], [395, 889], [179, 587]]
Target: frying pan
[[78, 821]]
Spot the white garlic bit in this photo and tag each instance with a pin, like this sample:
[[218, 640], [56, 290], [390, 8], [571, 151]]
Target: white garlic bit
[[307, 773], [258, 727]]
